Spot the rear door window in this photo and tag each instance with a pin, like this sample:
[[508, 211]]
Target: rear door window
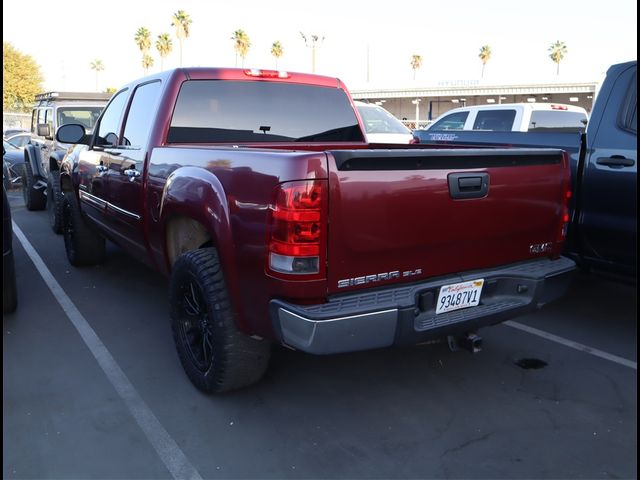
[[495, 120], [455, 121], [141, 112], [215, 111], [557, 120]]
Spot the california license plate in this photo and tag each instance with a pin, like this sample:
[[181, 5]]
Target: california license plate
[[459, 295]]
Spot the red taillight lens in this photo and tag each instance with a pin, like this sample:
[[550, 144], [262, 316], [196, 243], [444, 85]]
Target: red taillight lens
[[559, 107], [298, 228]]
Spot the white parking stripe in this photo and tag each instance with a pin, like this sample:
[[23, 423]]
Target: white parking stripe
[[166, 448], [572, 344]]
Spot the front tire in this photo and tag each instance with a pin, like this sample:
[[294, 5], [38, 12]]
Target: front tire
[[34, 199], [84, 245], [215, 355], [55, 199]]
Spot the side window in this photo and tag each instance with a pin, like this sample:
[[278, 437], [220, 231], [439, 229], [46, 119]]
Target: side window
[[455, 121], [495, 120], [41, 115], [110, 121], [49, 120], [143, 106]]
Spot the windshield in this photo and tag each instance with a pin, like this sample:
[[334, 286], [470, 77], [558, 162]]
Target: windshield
[[85, 116], [378, 120], [8, 146]]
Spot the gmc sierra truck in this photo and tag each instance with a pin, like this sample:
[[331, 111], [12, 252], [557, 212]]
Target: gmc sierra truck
[[256, 193], [603, 228]]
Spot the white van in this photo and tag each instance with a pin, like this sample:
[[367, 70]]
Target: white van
[[513, 117]]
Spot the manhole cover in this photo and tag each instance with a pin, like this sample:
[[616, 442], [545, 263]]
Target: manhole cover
[[531, 363]]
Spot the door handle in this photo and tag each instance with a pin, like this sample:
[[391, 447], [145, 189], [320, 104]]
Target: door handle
[[468, 185], [616, 161]]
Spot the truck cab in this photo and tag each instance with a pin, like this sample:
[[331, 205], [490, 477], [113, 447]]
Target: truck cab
[[513, 117]]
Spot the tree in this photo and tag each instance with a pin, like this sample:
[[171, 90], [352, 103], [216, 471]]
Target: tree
[[416, 63], [164, 45], [147, 62], [181, 21], [98, 66], [557, 51], [143, 40], [241, 44], [485, 56], [21, 79], [277, 51]]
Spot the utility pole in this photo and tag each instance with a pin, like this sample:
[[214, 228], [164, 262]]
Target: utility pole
[[312, 41]]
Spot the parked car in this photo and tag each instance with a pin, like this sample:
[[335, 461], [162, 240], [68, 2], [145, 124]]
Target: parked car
[[380, 126], [12, 165], [603, 209], [19, 140], [256, 193], [9, 289], [44, 154], [513, 117]]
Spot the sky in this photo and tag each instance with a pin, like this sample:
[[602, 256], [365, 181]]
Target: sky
[[367, 44]]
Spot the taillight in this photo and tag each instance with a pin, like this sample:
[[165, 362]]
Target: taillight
[[559, 107], [297, 243]]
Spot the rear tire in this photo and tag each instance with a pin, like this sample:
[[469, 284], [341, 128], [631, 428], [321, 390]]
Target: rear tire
[[84, 245], [34, 199], [55, 199], [215, 355]]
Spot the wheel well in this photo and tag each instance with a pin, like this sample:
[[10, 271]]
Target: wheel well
[[184, 234]]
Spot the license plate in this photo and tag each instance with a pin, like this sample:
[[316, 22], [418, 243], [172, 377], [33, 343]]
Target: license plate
[[459, 295]]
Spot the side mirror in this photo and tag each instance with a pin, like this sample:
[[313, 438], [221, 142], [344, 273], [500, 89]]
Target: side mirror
[[44, 131], [71, 133]]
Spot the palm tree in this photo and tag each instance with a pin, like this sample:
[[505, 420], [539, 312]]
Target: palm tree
[[485, 56], [241, 44], [181, 21], [98, 66], [277, 51], [557, 51], [416, 63], [164, 45], [143, 39], [147, 62]]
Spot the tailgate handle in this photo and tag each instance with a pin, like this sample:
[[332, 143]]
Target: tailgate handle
[[468, 185]]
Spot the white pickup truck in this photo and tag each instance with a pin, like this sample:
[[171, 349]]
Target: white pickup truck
[[513, 117]]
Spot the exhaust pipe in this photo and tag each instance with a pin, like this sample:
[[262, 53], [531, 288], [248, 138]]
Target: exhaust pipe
[[470, 341]]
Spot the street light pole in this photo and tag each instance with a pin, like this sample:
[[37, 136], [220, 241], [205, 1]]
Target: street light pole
[[416, 102], [312, 42]]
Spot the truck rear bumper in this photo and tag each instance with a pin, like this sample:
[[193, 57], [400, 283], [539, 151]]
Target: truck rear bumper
[[405, 315]]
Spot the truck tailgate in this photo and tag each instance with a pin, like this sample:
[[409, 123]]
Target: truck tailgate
[[404, 215]]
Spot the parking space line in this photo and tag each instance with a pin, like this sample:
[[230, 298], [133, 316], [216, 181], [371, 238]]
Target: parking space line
[[167, 449], [572, 344]]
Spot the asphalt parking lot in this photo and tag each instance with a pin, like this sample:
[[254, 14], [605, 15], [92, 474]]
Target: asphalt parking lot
[[559, 401]]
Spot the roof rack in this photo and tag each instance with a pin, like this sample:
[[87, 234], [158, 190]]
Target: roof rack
[[48, 96]]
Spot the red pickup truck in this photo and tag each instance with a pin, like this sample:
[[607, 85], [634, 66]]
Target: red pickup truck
[[255, 191]]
